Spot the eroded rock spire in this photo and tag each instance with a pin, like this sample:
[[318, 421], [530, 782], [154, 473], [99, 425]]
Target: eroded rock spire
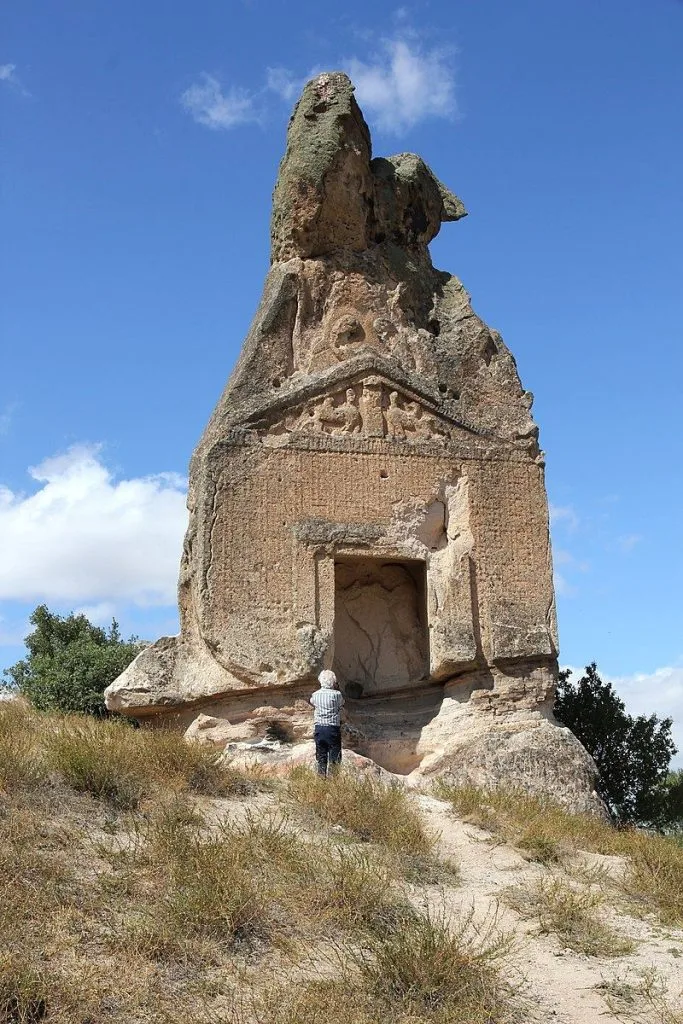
[[368, 495]]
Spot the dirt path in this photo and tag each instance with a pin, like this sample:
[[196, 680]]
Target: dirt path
[[562, 986]]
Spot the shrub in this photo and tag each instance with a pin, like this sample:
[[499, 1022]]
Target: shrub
[[200, 768], [70, 662], [208, 892], [21, 760], [420, 972], [122, 765], [100, 759]]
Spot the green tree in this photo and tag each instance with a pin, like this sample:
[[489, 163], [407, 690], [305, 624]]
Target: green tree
[[70, 662], [674, 799], [632, 754]]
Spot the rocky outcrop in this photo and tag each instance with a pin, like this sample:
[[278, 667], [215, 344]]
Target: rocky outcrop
[[368, 495]]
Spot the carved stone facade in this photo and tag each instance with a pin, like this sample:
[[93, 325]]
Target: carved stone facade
[[368, 495]]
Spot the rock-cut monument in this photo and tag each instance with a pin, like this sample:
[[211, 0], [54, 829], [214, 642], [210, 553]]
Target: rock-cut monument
[[368, 496]]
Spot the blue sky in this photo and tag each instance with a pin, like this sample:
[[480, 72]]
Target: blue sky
[[141, 148]]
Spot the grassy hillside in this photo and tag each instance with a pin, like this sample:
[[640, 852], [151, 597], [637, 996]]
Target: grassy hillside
[[144, 880]]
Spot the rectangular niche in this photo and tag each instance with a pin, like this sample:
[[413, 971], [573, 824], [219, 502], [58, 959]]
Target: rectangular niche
[[381, 639]]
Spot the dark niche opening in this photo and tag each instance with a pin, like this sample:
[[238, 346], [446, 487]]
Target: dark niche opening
[[381, 640]]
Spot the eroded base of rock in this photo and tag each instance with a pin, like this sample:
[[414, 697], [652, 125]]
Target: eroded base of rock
[[486, 727]]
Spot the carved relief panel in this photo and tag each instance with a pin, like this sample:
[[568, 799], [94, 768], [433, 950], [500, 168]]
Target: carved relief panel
[[372, 408]]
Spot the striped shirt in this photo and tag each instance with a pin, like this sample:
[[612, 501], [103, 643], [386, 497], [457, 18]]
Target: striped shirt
[[327, 704]]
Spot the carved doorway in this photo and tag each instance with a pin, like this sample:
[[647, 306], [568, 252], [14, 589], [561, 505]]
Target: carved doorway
[[381, 641]]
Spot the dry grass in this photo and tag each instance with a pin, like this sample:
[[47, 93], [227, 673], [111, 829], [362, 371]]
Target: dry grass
[[368, 809], [438, 969], [653, 879], [122, 765], [127, 897], [21, 761], [569, 914], [379, 814], [424, 971]]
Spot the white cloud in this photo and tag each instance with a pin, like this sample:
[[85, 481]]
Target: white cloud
[[628, 541], [564, 514], [87, 538], [210, 106], [565, 558], [562, 586], [6, 418], [285, 83], [100, 614], [404, 84], [661, 692], [646, 693], [8, 74]]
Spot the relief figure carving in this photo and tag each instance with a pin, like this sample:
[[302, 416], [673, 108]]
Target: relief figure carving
[[376, 412], [334, 419]]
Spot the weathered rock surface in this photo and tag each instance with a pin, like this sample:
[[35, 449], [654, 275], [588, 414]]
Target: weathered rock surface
[[368, 495]]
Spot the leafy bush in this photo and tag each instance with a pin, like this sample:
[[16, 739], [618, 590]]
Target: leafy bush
[[70, 662]]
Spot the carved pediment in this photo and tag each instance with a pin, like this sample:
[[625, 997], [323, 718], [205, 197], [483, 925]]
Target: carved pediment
[[370, 407]]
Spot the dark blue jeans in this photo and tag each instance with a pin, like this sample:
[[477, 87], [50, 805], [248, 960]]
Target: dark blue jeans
[[328, 750]]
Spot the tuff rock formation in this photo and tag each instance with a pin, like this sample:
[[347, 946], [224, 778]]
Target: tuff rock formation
[[368, 495]]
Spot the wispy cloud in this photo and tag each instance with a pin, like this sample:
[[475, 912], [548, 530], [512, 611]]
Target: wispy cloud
[[8, 74], [564, 514], [101, 613], [400, 84], [562, 586], [217, 108], [404, 84], [628, 541], [285, 83], [86, 537], [6, 416]]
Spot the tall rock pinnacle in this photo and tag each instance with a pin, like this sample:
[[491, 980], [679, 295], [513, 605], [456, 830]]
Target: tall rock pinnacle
[[368, 495]]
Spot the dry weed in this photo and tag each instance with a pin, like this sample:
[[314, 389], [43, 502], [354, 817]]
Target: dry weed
[[422, 971], [571, 915], [447, 971], [642, 998], [31, 992]]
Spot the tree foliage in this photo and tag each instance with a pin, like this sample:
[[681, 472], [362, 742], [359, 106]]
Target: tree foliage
[[70, 662], [632, 754]]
